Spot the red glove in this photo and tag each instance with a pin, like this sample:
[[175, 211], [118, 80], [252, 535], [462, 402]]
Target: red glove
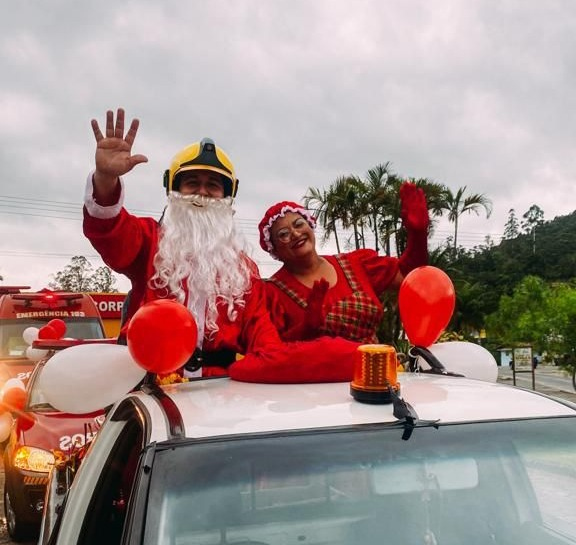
[[315, 314], [414, 210], [415, 218]]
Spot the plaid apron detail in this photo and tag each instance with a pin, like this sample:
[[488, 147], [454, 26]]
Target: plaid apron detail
[[356, 317], [288, 291]]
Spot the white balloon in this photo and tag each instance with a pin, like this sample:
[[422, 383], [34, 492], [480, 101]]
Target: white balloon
[[13, 383], [468, 359], [6, 422], [30, 334], [89, 377], [35, 354]]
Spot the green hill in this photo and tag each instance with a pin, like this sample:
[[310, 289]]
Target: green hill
[[549, 252]]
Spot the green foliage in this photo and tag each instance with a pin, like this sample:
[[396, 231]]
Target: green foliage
[[78, 276], [549, 252], [520, 317], [539, 313]]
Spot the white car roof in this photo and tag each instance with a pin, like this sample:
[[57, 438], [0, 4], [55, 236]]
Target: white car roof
[[220, 407]]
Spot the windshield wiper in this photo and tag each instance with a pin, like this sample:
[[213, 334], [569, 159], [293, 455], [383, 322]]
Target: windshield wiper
[[407, 415]]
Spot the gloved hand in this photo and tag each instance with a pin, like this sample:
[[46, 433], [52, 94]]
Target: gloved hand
[[414, 213], [315, 313], [414, 210]]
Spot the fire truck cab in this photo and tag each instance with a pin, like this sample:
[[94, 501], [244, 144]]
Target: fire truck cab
[[21, 309], [110, 307]]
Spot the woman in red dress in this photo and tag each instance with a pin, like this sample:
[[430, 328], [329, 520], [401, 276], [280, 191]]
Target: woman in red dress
[[338, 295]]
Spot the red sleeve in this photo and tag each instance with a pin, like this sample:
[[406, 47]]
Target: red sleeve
[[380, 270], [416, 252], [258, 331], [326, 359], [124, 242], [276, 308]]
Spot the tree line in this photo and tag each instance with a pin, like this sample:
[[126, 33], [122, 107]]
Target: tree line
[[372, 205]]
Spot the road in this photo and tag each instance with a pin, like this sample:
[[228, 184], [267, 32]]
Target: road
[[548, 379], [4, 538]]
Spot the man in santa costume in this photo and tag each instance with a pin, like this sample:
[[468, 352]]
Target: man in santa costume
[[196, 256]]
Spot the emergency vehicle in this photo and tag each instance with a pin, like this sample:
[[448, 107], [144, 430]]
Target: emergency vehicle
[[110, 308], [40, 435], [21, 309]]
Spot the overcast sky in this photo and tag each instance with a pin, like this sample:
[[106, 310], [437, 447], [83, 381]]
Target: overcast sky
[[475, 93]]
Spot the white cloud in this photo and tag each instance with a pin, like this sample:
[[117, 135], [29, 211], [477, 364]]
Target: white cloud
[[23, 116], [477, 94]]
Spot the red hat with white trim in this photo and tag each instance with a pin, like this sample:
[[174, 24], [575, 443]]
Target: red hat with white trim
[[279, 210]]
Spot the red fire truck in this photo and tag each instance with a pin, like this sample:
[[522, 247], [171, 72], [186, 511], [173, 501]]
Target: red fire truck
[[110, 308], [21, 309]]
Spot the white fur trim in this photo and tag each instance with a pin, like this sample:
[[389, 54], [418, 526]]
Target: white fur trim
[[306, 214], [97, 210]]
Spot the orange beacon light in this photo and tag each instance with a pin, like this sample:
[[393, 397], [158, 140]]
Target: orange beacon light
[[375, 374]]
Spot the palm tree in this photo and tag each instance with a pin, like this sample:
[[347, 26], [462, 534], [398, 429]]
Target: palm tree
[[457, 204], [348, 207], [322, 204], [378, 201]]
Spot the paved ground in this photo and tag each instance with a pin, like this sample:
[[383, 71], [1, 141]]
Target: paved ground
[[549, 380]]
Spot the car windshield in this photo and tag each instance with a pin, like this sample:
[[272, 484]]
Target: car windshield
[[12, 345], [37, 401], [479, 483]]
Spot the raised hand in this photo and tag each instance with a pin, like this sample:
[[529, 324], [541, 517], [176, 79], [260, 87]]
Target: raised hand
[[113, 151], [414, 210], [315, 313]]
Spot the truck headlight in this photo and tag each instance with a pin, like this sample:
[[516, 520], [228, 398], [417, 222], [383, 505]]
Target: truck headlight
[[33, 459]]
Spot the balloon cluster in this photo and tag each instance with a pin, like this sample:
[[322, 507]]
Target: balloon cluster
[[12, 400], [54, 329], [161, 337]]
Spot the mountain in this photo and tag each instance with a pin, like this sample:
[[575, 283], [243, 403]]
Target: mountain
[[549, 252]]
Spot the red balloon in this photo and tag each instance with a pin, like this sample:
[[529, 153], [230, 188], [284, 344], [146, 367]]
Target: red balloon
[[161, 336], [426, 301], [59, 326], [47, 332], [14, 399], [25, 421]]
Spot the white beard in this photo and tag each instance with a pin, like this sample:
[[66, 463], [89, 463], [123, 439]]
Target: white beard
[[199, 247]]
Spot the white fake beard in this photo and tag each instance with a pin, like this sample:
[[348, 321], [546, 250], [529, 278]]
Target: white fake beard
[[200, 247]]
